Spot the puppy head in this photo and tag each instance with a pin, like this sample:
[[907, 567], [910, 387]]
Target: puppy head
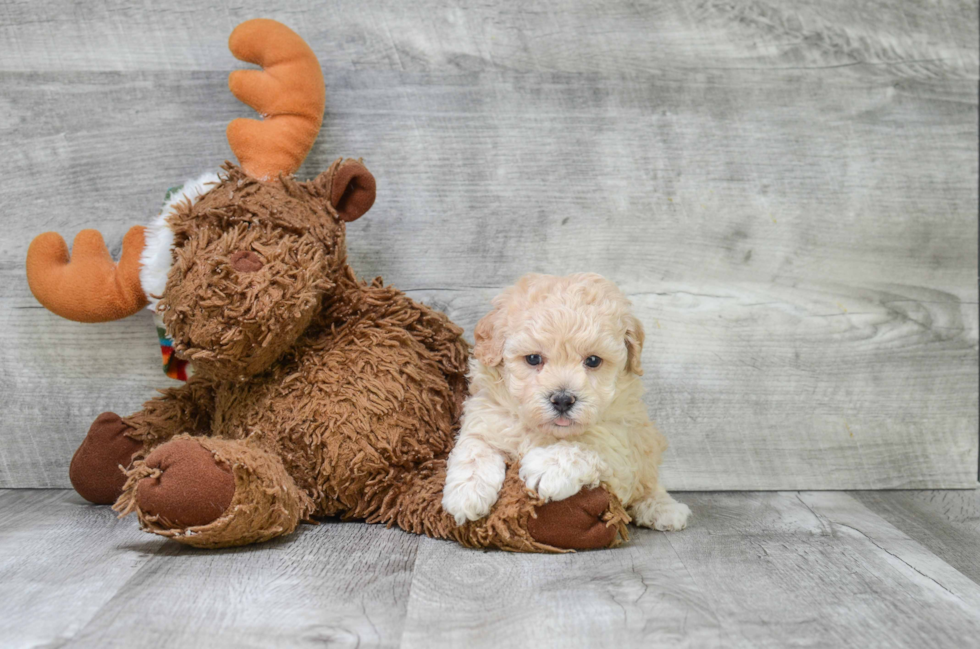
[[562, 347]]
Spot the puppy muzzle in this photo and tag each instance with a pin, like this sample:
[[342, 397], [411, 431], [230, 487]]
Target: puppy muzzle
[[562, 402]]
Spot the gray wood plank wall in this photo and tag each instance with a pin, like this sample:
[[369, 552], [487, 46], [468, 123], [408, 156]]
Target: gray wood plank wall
[[787, 192]]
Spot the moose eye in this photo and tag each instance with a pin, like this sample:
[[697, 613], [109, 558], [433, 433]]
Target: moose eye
[[593, 362], [533, 359]]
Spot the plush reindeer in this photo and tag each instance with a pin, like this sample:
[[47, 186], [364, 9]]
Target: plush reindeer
[[314, 393]]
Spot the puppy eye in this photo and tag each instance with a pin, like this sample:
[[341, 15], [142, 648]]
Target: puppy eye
[[593, 361], [533, 359]]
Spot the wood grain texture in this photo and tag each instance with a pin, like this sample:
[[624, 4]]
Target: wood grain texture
[[337, 584], [794, 569], [61, 561], [788, 193], [641, 595], [946, 522], [754, 570]]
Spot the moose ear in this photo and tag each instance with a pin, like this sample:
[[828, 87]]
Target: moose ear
[[352, 190]]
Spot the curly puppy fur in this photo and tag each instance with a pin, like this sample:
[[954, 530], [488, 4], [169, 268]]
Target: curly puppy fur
[[535, 398]]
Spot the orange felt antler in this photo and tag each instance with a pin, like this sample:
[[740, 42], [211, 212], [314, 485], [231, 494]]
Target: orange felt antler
[[288, 92], [89, 287]]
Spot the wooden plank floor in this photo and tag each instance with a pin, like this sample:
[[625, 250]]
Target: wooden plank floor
[[772, 569]]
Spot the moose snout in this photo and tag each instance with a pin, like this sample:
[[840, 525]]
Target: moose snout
[[562, 401], [246, 261]]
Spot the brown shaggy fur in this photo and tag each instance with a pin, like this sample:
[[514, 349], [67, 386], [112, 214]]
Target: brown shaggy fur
[[326, 396]]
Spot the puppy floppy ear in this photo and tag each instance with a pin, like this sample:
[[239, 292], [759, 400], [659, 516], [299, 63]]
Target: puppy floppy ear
[[489, 337], [634, 344]]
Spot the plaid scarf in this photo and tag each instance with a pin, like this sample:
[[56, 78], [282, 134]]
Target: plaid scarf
[[175, 368]]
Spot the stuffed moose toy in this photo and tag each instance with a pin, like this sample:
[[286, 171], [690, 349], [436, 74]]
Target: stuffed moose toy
[[314, 394]]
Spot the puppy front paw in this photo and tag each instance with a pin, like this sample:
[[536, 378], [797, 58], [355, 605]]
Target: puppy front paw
[[662, 513], [672, 518], [561, 470], [469, 501], [473, 483]]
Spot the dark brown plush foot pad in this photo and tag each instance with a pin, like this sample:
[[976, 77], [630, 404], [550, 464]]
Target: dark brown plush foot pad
[[192, 489], [94, 470], [574, 523]]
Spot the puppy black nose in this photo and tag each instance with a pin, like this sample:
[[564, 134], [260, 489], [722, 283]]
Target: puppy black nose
[[562, 401]]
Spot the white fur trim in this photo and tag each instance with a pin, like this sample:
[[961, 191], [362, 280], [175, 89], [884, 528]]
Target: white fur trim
[[157, 256]]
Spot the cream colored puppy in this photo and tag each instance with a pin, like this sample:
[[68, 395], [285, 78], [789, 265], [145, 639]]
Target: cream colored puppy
[[554, 383]]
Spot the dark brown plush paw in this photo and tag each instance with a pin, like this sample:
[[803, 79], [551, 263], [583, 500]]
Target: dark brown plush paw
[[574, 523], [192, 488], [94, 471]]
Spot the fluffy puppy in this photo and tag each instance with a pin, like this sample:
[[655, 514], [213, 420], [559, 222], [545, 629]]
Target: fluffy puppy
[[554, 383]]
